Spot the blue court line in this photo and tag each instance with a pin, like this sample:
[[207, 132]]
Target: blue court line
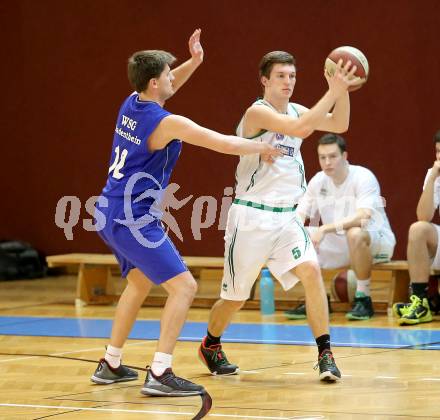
[[263, 333]]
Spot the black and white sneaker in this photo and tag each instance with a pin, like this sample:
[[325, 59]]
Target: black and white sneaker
[[362, 308], [105, 374], [214, 358], [300, 311], [169, 385], [328, 371]]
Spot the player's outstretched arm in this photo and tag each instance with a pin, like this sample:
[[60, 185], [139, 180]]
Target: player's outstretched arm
[[338, 120], [183, 72], [178, 127], [262, 118], [425, 206]]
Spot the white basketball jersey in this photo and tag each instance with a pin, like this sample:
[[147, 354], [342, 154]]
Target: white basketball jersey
[[281, 183], [360, 190]]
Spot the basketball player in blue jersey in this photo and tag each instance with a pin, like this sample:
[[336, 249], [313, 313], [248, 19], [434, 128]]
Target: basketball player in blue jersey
[[262, 227], [146, 145]]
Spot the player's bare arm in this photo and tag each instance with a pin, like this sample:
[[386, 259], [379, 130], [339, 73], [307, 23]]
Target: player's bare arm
[[360, 217], [336, 121], [259, 118], [425, 206], [178, 127], [183, 72]]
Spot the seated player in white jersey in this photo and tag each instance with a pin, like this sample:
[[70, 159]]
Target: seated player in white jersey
[[423, 252], [355, 230], [262, 227]]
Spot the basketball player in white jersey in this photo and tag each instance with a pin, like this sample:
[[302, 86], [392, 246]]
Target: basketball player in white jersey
[[355, 230], [423, 252], [262, 226]]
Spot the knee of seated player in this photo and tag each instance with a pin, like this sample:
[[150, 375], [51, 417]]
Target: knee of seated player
[[420, 232], [358, 238]]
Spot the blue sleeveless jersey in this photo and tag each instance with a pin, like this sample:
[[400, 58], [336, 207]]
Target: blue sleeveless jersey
[[137, 179], [134, 172]]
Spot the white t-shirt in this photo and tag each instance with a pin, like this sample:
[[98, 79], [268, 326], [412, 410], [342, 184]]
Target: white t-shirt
[[436, 188], [281, 183], [331, 202]]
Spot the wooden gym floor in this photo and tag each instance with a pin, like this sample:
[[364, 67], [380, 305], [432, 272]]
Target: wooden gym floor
[[48, 376]]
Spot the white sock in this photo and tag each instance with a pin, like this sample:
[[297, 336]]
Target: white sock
[[363, 286], [161, 361], [113, 356]]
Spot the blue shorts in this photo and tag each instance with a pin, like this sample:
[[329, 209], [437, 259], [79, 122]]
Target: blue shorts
[[149, 249]]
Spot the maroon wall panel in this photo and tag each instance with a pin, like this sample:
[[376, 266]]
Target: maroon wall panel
[[64, 78]]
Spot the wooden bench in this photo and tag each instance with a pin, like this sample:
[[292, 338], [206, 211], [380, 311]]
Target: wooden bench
[[95, 286]]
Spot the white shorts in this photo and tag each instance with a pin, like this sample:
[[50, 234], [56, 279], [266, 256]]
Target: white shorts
[[333, 251], [257, 237], [436, 260]]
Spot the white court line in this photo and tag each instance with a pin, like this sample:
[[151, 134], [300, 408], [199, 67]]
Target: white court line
[[430, 379], [387, 377], [120, 410], [65, 353], [294, 373], [94, 349]]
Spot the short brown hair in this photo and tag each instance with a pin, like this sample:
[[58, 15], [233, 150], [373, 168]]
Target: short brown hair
[[146, 65], [437, 137], [332, 138], [275, 57]]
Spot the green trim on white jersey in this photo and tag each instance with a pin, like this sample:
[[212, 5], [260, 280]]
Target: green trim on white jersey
[[280, 184], [302, 172], [293, 107]]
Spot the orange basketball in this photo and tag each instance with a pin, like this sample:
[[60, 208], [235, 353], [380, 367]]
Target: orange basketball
[[343, 286], [356, 57]]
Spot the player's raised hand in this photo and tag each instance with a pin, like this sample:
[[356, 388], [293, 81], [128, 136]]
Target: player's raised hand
[[343, 78], [195, 47]]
